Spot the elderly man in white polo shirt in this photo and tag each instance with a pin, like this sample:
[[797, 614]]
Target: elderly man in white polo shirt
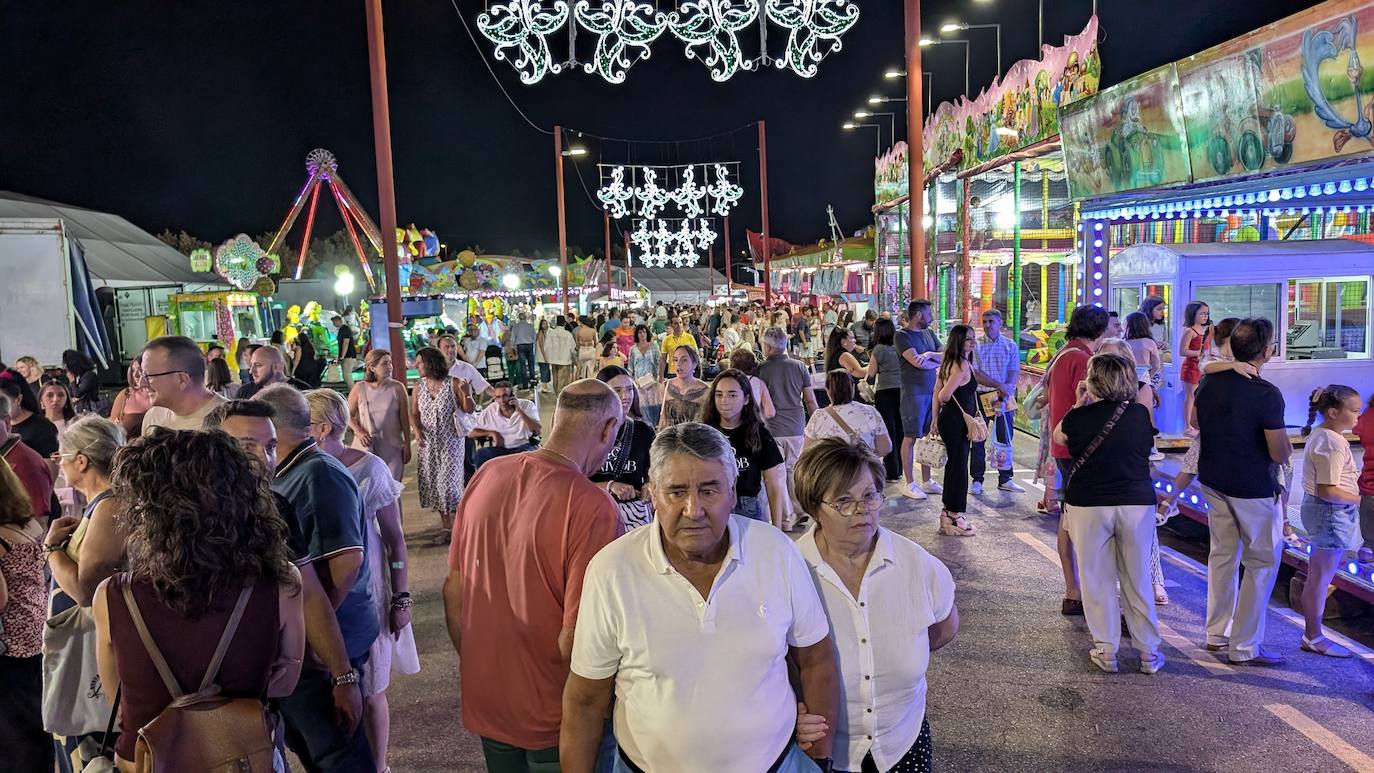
[[690, 622]]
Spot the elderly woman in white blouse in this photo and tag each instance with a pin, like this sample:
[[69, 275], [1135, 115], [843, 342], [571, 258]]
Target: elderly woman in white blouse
[[847, 419], [890, 604]]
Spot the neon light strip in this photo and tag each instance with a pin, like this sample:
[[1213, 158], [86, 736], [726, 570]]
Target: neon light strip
[[309, 226]]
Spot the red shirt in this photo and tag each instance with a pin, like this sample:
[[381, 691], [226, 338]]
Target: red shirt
[[1070, 368], [1364, 429], [35, 474], [523, 536]]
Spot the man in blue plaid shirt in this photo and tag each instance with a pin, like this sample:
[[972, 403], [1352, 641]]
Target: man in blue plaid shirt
[[997, 365]]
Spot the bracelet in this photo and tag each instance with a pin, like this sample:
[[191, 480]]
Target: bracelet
[[401, 594], [398, 564], [403, 603], [48, 550]]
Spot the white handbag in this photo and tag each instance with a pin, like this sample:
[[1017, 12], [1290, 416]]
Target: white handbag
[[73, 701], [930, 450]]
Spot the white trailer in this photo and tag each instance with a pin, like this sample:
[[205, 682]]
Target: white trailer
[[38, 314]]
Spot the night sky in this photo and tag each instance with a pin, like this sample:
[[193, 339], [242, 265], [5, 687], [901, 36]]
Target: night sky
[[198, 115]]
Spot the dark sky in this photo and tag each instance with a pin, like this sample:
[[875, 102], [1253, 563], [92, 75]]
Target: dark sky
[[198, 115]]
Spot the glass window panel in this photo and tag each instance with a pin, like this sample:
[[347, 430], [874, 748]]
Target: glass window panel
[[1328, 318], [1240, 301]]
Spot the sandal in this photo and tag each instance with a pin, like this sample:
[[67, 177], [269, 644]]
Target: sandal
[[1044, 509], [1324, 646], [956, 525], [1161, 596], [1071, 608]]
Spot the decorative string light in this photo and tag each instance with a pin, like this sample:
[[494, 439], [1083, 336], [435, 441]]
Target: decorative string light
[[814, 29], [620, 26], [661, 245], [689, 195], [653, 198], [725, 193], [615, 196], [525, 25], [625, 30]]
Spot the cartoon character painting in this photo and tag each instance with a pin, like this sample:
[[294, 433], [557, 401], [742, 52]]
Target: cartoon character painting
[[1319, 46]]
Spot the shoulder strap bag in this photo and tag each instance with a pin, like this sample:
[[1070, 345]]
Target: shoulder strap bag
[[201, 731], [854, 437], [1096, 442]]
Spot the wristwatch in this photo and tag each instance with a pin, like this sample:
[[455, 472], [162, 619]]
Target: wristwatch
[[349, 677]]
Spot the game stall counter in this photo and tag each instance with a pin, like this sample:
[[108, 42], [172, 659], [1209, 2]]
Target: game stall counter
[[218, 318]]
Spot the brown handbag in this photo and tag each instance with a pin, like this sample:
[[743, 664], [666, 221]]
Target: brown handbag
[[202, 731]]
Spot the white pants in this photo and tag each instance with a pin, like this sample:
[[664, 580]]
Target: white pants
[[346, 366], [1113, 545], [791, 448], [1249, 533]]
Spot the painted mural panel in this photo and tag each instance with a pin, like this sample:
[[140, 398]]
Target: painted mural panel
[[1018, 109], [1293, 92], [1127, 137]]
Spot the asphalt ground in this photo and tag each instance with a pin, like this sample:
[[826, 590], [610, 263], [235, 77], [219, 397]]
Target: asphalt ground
[[1015, 690]]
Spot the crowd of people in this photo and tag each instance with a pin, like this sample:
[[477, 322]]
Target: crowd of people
[[623, 593]]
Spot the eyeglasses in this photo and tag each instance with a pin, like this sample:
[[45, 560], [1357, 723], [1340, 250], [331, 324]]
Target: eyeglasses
[[150, 376], [850, 507]]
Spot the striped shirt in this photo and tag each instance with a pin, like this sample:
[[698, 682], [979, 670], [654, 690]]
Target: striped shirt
[[998, 359]]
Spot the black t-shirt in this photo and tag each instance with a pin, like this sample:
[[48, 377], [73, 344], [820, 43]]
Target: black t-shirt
[[1118, 472], [39, 434], [348, 345], [309, 372], [752, 463], [628, 465], [1232, 414]]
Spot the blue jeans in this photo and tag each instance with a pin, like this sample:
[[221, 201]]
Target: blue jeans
[[312, 733], [751, 507], [488, 453], [795, 761], [528, 371], [501, 757]]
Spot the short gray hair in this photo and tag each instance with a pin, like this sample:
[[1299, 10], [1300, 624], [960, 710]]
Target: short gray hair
[[1111, 378], [693, 439], [95, 438], [774, 340], [292, 411]]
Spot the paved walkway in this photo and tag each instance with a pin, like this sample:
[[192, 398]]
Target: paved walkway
[[1015, 691]]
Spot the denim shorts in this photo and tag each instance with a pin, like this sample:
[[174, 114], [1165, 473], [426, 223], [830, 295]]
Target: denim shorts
[[917, 410], [1329, 525], [750, 507]]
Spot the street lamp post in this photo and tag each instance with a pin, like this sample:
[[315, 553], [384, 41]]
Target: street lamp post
[[934, 42], [878, 143], [891, 121], [955, 26], [929, 84]]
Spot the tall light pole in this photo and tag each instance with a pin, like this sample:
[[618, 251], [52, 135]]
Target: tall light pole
[[386, 185], [934, 42], [915, 129], [956, 26], [850, 126], [893, 74]]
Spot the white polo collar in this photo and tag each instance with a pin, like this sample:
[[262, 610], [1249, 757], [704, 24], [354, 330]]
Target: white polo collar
[[659, 559]]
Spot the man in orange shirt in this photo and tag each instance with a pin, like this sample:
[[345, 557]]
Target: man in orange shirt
[[527, 528]]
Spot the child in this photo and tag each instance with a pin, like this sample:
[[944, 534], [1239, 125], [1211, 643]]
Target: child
[[1196, 334], [1364, 428], [1330, 504]]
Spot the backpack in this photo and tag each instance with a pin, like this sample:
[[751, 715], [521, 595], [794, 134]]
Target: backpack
[[201, 731]]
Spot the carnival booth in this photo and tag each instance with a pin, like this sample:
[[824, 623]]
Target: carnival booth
[[217, 318], [1242, 177], [1315, 292]]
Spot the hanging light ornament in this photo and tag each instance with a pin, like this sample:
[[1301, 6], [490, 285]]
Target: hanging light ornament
[[615, 196], [689, 195], [620, 25], [704, 234], [814, 29], [725, 193], [653, 198], [524, 25], [715, 24]]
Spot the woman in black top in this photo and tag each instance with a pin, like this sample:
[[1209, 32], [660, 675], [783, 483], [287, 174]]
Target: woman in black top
[[85, 382], [956, 394], [732, 410], [1109, 513], [839, 355], [27, 420], [309, 368], [627, 467]]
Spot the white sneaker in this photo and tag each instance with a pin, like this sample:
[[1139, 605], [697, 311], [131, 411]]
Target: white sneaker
[[931, 487], [1103, 660], [1011, 486], [912, 491], [976, 488]]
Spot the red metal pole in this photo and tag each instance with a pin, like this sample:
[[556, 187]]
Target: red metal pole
[[607, 217], [386, 184], [562, 215], [763, 199], [915, 148], [710, 266], [728, 280]]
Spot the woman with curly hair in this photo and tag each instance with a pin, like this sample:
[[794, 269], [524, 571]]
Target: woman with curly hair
[[209, 558]]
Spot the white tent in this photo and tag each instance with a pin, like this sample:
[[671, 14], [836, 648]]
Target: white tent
[[118, 253], [680, 285]]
